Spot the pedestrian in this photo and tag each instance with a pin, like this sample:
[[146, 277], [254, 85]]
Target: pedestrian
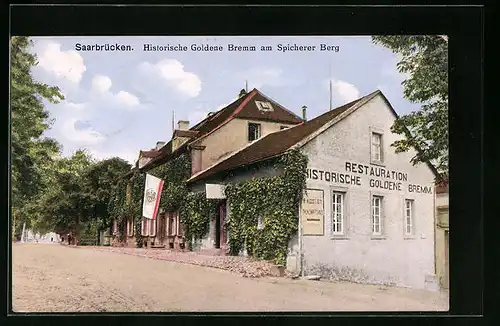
[[69, 239], [51, 239]]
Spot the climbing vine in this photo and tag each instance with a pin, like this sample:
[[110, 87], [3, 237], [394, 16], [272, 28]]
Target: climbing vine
[[121, 209], [196, 212], [174, 173], [273, 200]]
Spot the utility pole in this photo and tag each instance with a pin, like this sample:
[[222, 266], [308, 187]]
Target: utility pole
[[173, 118], [330, 80]]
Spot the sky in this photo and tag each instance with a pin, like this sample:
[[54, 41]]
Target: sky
[[119, 102]]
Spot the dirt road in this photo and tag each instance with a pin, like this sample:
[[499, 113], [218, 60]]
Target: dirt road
[[57, 278]]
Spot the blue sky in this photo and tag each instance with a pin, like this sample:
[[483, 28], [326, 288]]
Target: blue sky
[[120, 102]]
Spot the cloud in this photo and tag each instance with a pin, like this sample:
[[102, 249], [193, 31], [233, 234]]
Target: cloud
[[84, 135], [63, 64], [101, 84], [173, 73], [347, 92], [127, 98], [260, 76]]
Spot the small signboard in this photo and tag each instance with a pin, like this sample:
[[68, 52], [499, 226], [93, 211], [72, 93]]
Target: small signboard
[[215, 191], [312, 212]]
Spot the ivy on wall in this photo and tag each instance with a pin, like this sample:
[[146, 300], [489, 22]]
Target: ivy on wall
[[196, 212], [121, 209], [174, 173], [276, 200]]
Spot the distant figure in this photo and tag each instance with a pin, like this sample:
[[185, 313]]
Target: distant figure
[[69, 239], [62, 239], [51, 239]]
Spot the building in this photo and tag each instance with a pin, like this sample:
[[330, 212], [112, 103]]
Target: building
[[367, 214], [252, 116], [442, 234]]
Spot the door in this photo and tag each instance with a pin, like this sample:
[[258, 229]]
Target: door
[[161, 228]]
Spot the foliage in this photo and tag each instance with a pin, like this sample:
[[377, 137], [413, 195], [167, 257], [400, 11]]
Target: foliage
[[174, 173], [274, 199], [101, 181], [196, 213], [425, 59], [66, 203], [31, 153]]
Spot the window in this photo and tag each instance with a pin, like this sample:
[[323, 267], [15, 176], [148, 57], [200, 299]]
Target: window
[[260, 223], [152, 230], [338, 213], [171, 224], [130, 227], [376, 147], [144, 227], [377, 215], [283, 127], [253, 131], [264, 106], [408, 217]]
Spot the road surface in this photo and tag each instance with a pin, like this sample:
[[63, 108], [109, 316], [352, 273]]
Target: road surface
[[58, 278]]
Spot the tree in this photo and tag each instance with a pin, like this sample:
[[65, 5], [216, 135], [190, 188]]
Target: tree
[[67, 203], [425, 59], [101, 181], [31, 153]]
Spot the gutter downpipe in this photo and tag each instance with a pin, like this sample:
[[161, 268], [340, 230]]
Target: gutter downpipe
[[301, 255]]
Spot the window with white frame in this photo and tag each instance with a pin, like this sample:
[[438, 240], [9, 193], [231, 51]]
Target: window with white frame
[[338, 213], [144, 227], [152, 230], [253, 131], [376, 147], [377, 215], [408, 217], [260, 222], [264, 106]]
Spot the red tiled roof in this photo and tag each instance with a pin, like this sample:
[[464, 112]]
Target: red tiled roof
[[244, 108], [273, 144]]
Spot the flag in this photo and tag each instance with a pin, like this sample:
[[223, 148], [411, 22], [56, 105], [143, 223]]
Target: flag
[[152, 194]]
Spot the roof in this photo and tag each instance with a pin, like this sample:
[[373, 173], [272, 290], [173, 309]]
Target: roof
[[243, 108], [277, 143], [272, 144], [150, 154]]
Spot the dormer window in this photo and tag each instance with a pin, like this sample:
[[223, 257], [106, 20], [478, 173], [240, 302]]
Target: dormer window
[[253, 131], [264, 106]]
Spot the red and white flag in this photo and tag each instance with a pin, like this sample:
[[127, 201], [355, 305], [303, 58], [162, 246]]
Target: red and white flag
[[152, 194]]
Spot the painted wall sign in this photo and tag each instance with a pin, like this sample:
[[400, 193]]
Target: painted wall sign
[[395, 182], [215, 191], [312, 212]]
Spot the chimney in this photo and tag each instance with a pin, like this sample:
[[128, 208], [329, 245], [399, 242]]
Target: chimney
[[182, 125], [159, 144], [304, 111]]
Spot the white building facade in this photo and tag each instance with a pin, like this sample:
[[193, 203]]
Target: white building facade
[[368, 215]]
